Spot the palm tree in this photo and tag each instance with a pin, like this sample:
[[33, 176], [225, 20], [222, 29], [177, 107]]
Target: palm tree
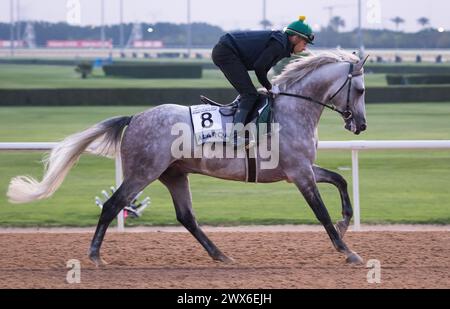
[[336, 22], [397, 21], [423, 21]]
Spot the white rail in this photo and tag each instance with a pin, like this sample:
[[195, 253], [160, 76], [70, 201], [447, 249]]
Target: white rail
[[354, 146], [49, 146]]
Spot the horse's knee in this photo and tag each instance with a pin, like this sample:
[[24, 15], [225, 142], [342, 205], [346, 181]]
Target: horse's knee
[[340, 181], [348, 212], [343, 182]]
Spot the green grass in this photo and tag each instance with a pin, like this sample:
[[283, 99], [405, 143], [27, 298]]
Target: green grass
[[396, 186], [40, 76], [375, 80]]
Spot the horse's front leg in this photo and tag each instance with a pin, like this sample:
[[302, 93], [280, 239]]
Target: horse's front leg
[[305, 181], [326, 176]]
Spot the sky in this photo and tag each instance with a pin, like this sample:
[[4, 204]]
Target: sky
[[236, 14]]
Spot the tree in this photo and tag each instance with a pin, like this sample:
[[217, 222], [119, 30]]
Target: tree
[[397, 21], [84, 69], [423, 21], [336, 22]]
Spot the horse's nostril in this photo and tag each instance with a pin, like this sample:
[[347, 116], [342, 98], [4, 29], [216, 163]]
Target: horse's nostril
[[363, 127]]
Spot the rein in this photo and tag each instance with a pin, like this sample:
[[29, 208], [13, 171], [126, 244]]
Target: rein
[[346, 114]]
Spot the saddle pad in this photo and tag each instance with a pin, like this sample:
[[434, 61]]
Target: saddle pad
[[209, 124]]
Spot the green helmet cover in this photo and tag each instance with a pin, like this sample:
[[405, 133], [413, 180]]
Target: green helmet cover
[[300, 28]]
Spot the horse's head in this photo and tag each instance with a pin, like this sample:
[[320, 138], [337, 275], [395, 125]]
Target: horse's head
[[349, 97], [332, 79]]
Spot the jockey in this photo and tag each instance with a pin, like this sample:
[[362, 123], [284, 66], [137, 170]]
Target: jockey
[[239, 52]]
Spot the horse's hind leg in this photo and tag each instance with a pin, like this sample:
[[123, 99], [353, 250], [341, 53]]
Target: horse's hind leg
[[323, 175], [178, 184], [121, 198], [306, 183]]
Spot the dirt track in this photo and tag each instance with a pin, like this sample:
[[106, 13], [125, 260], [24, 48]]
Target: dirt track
[[262, 260]]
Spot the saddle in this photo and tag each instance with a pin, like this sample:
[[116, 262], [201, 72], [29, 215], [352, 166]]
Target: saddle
[[260, 113]]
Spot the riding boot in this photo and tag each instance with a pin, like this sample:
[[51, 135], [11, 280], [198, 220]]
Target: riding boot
[[240, 116], [245, 106]]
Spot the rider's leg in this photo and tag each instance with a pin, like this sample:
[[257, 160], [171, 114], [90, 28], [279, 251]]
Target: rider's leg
[[245, 106], [237, 74]]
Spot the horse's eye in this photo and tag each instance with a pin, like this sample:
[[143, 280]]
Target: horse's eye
[[360, 90]]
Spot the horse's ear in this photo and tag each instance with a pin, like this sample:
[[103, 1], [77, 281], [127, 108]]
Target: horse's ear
[[360, 64], [364, 60]]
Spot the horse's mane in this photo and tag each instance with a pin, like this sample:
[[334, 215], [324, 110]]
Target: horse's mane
[[301, 67]]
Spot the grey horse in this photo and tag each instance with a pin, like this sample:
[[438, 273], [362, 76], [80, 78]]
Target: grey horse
[[332, 79]]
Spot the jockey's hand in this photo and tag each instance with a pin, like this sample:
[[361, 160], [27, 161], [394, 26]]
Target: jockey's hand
[[275, 90]]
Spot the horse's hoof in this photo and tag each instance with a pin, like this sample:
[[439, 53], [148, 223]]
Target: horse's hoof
[[341, 228], [224, 259], [97, 260], [354, 258]]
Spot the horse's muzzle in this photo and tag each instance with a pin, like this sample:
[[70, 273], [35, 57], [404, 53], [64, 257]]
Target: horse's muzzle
[[352, 127], [360, 129]]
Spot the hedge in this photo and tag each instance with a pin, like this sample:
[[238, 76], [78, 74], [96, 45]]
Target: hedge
[[206, 64], [416, 79], [60, 62], [404, 94], [120, 96], [154, 96], [154, 70]]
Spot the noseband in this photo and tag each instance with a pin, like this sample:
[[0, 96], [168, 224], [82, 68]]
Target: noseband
[[347, 113]]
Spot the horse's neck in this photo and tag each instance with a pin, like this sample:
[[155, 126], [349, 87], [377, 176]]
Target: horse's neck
[[316, 85]]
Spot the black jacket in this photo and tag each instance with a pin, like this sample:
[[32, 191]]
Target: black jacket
[[259, 50]]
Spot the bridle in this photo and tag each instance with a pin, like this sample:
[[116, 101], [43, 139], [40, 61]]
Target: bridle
[[347, 113]]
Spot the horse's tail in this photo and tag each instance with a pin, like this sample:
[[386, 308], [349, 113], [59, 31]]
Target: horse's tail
[[105, 138]]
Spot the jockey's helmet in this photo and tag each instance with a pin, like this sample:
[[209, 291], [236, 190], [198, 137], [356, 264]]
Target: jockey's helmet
[[300, 28]]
